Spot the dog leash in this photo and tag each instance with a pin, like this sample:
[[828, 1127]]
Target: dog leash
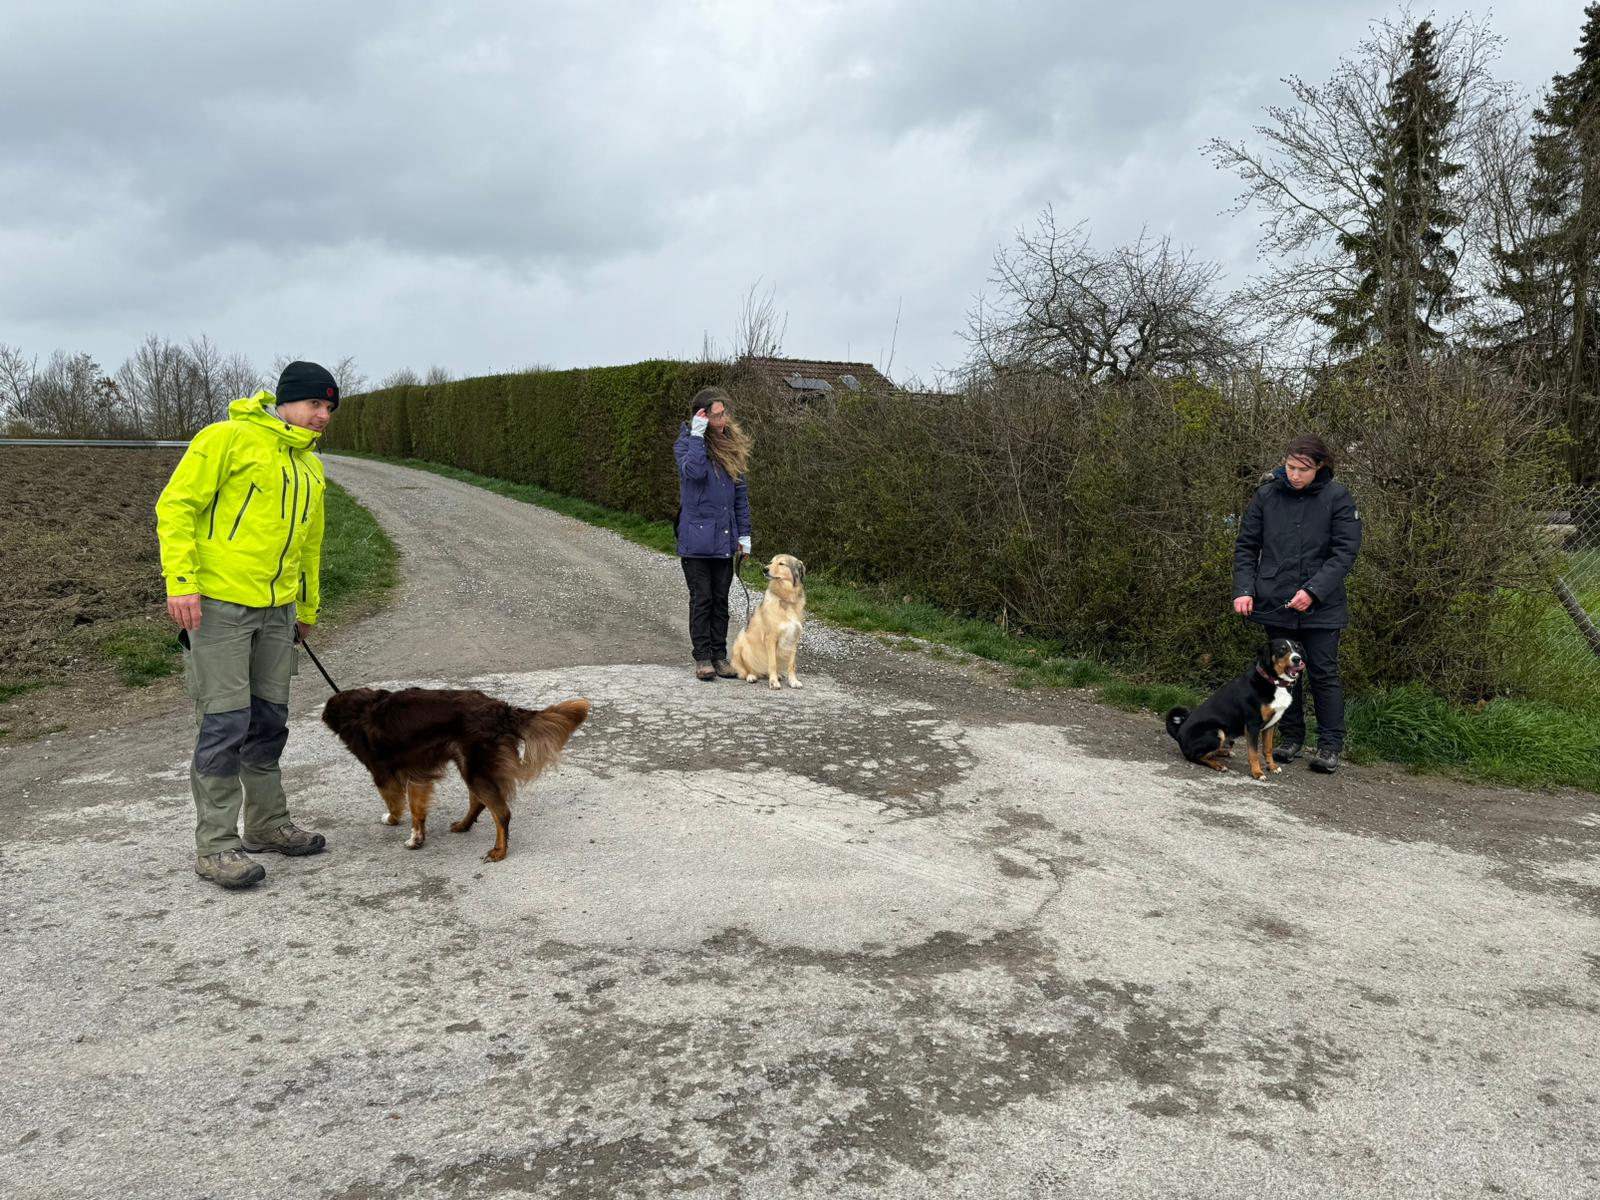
[[738, 572], [317, 662]]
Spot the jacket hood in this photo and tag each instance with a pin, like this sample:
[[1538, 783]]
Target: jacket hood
[[1280, 475], [258, 410]]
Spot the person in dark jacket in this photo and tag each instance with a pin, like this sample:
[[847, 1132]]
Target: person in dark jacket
[[1298, 541], [713, 453]]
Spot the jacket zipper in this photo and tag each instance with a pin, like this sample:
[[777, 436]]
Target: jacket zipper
[[211, 529], [306, 512], [248, 496], [282, 554], [284, 493]]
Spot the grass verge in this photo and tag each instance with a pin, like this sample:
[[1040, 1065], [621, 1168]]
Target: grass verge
[[1521, 742]]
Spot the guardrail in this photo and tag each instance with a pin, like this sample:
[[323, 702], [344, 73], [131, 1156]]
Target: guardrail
[[101, 443]]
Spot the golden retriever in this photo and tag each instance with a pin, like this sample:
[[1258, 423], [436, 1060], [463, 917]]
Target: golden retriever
[[773, 635]]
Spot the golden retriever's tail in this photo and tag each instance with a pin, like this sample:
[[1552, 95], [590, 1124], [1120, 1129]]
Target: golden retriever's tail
[[545, 732]]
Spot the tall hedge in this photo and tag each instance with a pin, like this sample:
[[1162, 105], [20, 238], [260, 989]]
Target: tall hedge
[[602, 433], [1102, 516]]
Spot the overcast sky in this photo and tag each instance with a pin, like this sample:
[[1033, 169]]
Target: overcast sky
[[493, 184]]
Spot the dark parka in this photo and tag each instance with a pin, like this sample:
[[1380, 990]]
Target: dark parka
[[714, 510], [1298, 539]]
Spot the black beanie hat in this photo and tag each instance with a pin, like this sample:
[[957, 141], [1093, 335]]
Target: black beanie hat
[[306, 381]]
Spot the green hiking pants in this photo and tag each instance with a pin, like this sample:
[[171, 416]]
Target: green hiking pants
[[236, 668]]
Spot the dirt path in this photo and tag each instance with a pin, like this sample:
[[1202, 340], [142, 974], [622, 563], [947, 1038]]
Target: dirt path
[[905, 932]]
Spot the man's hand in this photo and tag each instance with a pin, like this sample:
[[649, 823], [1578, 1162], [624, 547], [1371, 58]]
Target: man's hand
[[301, 629], [185, 610], [1244, 605], [1302, 601]]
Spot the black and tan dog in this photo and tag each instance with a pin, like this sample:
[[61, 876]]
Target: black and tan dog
[[1250, 706], [409, 738]]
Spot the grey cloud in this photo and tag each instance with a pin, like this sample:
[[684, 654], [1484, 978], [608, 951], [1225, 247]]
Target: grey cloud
[[491, 184]]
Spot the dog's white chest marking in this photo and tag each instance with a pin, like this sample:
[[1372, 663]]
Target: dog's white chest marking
[[788, 634], [1282, 697]]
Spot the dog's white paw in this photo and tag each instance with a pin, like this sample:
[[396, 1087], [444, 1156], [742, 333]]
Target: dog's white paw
[[776, 686], [752, 679], [413, 842], [388, 819], [793, 682]]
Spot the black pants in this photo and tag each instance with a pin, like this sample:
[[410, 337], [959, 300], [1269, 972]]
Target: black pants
[[1321, 647], [709, 580]]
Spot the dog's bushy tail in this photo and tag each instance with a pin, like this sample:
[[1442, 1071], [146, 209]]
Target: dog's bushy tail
[[544, 732], [1175, 719]]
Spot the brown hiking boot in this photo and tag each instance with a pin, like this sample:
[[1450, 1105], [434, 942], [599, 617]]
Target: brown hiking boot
[[724, 669], [230, 869], [288, 839], [705, 672]]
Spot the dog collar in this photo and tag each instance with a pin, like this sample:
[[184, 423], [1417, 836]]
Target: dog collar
[[1273, 679]]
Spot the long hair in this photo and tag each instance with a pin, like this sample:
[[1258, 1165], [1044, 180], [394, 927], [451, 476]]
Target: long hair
[[731, 447], [1310, 446]]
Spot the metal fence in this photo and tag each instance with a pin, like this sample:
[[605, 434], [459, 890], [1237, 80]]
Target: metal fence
[[1574, 638]]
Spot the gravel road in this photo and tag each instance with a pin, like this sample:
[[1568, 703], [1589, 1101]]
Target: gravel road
[[906, 932]]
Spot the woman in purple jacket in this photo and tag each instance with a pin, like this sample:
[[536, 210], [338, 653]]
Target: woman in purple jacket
[[713, 454]]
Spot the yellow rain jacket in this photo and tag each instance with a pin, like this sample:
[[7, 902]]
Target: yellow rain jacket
[[241, 518]]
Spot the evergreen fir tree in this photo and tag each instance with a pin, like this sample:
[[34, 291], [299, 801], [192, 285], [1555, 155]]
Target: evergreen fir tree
[[1405, 265], [1551, 276]]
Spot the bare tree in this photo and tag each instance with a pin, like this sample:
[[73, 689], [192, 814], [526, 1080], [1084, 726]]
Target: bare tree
[[345, 374], [437, 375], [759, 331], [16, 374], [239, 378], [69, 398], [1145, 309], [209, 368], [402, 377], [163, 384], [1314, 174]]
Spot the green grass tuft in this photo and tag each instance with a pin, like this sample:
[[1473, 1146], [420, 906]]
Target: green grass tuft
[[141, 651], [11, 689], [1521, 742]]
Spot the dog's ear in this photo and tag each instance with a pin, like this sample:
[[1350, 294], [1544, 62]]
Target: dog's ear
[[799, 569]]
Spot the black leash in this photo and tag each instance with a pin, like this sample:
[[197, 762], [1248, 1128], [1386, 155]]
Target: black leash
[[316, 662]]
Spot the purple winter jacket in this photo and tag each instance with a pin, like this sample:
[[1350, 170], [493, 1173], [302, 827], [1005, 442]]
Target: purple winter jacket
[[714, 510]]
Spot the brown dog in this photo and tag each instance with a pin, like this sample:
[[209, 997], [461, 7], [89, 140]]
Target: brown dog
[[408, 738], [772, 638]]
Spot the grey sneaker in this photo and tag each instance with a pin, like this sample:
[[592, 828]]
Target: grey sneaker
[[1325, 762], [724, 669], [705, 672], [1287, 752], [289, 839], [230, 869]]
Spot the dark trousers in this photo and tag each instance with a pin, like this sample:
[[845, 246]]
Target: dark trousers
[[709, 580], [1321, 648]]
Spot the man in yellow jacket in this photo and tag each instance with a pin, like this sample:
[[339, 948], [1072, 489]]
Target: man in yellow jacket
[[240, 524]]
